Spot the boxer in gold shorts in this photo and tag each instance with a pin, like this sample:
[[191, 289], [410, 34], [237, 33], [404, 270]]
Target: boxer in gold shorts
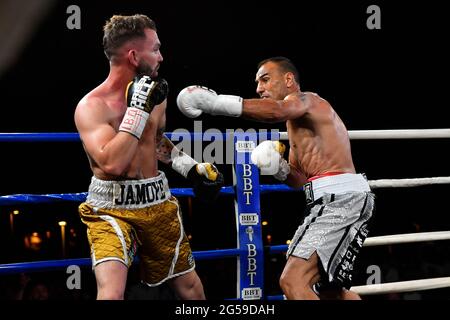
[[129, 209], [151, 222]]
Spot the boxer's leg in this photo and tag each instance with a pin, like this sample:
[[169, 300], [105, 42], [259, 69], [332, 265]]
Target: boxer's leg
[[298, 277], [111, 279], [188, 286]]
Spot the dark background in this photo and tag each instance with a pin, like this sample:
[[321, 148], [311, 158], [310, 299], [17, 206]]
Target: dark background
[[393, 78]]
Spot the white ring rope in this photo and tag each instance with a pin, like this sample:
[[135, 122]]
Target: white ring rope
[[407, 238], [400, 134], [415, 182], [392, 134], [403, 286]]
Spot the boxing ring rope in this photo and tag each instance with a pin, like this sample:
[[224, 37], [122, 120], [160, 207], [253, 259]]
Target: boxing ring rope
[[390, 239], [407, 183], [244, 221], [392, 134], [183, 192], [353, 134], [222, 253], [403, 286], [48, 265]]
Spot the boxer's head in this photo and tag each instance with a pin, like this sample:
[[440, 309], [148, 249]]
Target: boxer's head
[[133, 40], [276, 78]]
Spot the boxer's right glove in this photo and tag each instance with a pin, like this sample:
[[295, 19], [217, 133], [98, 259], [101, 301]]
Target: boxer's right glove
[[142, 95], [194, 100], [268, 156]]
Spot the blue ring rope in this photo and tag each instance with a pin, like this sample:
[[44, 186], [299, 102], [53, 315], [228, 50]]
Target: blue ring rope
[[40, 137], [15, 199], [83, 262], [11, 268], [75, 137]]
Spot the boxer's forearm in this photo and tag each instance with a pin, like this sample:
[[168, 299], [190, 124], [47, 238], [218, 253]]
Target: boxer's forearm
[[264, 110], [168, 153], [295, 179]]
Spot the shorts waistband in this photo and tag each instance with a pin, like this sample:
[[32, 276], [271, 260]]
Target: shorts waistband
[[332, 173], [341, 183], [128, 194]]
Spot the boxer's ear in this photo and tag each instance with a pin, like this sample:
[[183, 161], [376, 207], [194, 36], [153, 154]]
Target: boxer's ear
[[289, 79], [132, 58]]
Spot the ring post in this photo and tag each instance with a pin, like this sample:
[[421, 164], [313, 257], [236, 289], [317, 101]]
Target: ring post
[[250, 266]]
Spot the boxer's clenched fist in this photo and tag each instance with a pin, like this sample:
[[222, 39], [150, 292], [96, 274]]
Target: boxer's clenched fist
[[268, 157], [194, 100]]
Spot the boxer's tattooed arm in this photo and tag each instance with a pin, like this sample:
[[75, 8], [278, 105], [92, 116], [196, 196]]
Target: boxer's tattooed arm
[[164, 147], [160, 134], [303, 97]]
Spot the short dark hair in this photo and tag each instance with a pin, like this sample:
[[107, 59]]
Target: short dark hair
[[285, 65], [120, 29]]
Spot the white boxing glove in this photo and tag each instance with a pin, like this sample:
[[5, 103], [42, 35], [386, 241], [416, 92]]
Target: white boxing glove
[[268, 156], [194, 100]]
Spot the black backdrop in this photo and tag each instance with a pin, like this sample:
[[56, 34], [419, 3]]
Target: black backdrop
[[393, 78]]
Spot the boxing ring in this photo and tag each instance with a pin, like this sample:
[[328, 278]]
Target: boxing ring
[[246, 190]]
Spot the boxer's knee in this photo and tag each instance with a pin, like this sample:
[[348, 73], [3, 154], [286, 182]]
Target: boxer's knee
[[299, 276], [188, 286], [292, 282], [109, 294]]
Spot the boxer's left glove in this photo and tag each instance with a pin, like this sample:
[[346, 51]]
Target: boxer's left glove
[[142, 95], [194, 100], [207, 180], [268, 156]]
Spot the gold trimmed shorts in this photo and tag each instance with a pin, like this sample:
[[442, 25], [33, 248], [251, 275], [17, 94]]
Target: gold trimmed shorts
[[119, 226]]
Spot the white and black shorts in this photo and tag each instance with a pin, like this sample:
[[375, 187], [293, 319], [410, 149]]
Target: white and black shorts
[[335, 226]]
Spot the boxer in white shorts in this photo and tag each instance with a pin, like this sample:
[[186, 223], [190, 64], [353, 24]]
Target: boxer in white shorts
[[326, 244], [335, 226]]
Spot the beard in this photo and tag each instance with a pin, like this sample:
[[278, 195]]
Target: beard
[[144, 68]]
